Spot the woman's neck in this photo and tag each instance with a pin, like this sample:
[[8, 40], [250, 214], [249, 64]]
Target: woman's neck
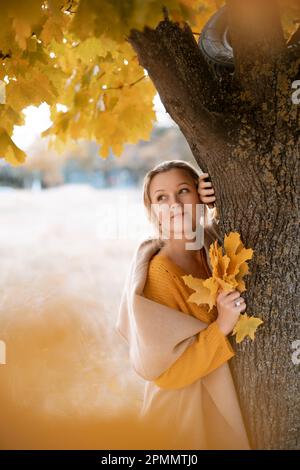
[[177, 250]]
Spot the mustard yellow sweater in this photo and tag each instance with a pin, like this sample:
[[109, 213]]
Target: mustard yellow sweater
[[211, 348]]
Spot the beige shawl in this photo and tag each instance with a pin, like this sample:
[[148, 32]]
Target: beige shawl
[[208, 410]]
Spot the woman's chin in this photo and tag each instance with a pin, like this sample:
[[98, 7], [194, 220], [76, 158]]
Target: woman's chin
[[179, 228]]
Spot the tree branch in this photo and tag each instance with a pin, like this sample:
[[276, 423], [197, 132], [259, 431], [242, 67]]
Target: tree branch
[[173, 60], [295, 37], [258, 43], [293, 45]]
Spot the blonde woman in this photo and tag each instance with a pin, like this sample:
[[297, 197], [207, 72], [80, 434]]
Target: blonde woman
[[181, 349]]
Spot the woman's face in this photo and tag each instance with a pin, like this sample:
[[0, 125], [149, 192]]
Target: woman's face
[[169, 192]]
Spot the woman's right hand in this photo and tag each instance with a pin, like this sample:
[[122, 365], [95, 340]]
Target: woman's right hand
[[228, 312]]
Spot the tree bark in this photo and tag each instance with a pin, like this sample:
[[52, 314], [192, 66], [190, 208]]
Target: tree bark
[[251, 149], [263, 206], [258, 42]]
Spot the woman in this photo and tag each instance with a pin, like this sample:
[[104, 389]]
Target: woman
[[180, 348]]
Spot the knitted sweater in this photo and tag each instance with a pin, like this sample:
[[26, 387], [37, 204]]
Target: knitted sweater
[[211, 348], [157, 337]]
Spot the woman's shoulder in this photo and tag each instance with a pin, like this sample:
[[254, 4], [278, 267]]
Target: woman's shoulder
[[161, 273], [160, 265], [161, 283]]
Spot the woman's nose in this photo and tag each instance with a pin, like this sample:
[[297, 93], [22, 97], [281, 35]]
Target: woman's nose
[[176, 207]]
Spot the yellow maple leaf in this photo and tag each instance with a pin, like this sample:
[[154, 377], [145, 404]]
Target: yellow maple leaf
[[9, 150], [51, 30], [202, 294], [246, 326], [237, 253], [228, 271], [23, 30]]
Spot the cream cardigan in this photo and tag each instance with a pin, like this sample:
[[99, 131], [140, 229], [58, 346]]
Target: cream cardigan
[[208, 410]]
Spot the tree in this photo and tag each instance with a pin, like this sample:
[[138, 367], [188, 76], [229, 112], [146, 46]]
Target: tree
[[242, 127]]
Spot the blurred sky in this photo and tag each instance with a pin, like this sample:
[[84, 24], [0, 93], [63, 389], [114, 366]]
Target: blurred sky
[[38, 119]]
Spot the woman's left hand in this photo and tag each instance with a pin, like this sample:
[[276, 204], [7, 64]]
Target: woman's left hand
[[206, 191]]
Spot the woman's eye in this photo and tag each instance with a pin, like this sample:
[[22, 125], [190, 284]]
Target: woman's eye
[[182, 189]]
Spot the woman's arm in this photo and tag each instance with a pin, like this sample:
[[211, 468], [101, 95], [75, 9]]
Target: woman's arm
[[210, 349]]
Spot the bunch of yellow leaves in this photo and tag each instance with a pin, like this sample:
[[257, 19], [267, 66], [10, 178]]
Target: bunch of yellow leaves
[[228, 271]]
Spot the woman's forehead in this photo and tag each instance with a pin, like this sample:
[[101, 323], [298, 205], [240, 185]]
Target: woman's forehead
[[169, 178]]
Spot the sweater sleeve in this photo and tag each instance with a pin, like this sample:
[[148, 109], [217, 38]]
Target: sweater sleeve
[[210, 349]]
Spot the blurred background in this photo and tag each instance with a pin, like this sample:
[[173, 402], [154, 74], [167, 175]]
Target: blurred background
[[69, 223]]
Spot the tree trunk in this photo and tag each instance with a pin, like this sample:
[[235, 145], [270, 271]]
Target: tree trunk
[[267, 218], [249, 144]]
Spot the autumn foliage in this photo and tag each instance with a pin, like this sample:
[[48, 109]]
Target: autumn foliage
[[74, 54], [227, 273]]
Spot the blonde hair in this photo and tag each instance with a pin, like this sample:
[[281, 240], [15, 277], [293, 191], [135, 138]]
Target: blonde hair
[[164, 167]]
